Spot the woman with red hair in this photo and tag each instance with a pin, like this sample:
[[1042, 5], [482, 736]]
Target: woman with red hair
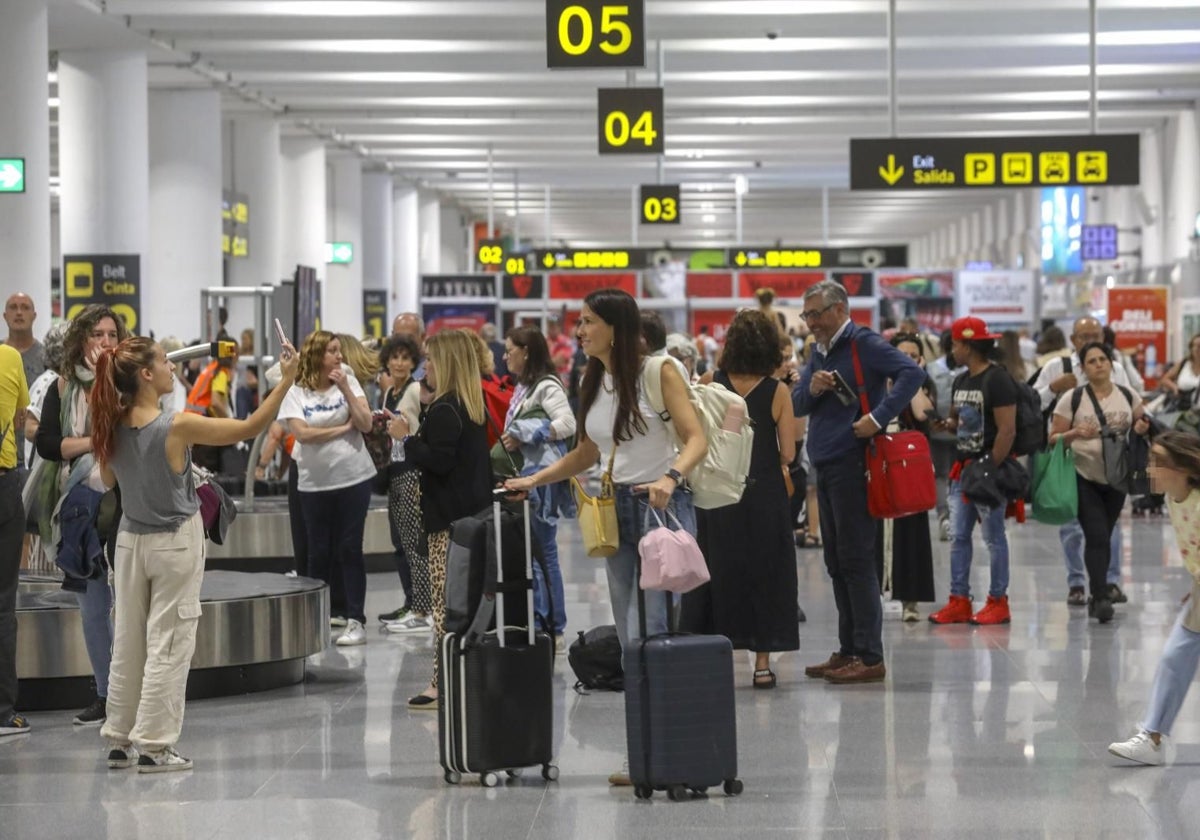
[[159, 560]]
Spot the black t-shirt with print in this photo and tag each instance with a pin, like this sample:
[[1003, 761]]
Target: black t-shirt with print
[[976, 399]]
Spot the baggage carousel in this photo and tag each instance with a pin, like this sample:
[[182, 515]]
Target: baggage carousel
[[255, 633]]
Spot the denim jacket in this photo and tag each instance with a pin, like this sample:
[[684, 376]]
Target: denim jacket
[[80, 552]]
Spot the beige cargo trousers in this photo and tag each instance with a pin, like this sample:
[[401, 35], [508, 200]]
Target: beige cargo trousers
[[157, 595]]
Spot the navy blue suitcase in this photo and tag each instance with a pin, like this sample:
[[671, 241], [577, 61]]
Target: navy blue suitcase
[[680, 722], [496, 711]]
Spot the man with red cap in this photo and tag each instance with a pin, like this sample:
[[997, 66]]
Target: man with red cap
[[983, 415]]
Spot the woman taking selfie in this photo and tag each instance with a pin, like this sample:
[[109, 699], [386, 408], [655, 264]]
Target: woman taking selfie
[[160, 543]]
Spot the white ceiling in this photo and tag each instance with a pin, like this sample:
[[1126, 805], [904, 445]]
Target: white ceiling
[[429, 87]]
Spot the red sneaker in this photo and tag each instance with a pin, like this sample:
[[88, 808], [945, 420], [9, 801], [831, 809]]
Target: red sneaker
[[995, 611], [957, 611]]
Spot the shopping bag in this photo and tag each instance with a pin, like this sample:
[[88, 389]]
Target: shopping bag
[[1055, 493]]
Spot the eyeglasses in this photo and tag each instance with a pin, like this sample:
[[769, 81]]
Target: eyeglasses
[[810, 314]]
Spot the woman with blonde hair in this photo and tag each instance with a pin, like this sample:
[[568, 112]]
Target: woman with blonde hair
[[451, 451], [327, 412]]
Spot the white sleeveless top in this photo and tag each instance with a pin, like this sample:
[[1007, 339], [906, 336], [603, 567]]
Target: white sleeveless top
[[644, 459]]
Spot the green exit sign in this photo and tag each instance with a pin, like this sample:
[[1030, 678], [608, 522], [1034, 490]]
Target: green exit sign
[[339, 253], [12, 175]]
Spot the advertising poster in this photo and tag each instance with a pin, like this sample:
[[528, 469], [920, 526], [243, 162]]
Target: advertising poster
[[456, 316], [709, 284], [1138, 317], [998, 297], [717, 321], [111, 279], [578, 286], [926, 296], [785, 284]]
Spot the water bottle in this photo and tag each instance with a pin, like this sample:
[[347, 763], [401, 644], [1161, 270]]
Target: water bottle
[[1151, 361]]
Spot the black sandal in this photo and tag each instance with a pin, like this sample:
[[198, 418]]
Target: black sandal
[[767, 682]]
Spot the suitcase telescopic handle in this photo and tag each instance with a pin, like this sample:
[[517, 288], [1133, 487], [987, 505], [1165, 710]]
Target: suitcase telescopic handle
[[498, 495]]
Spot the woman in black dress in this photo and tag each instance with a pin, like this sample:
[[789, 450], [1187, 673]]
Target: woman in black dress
[[911, 573], [749, 546]]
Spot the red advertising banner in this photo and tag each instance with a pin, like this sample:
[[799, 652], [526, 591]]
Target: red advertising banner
[[456, 316], [717, 321], [708, 285], [577, 286], [785, 284], [863, 317], [1138, 317]]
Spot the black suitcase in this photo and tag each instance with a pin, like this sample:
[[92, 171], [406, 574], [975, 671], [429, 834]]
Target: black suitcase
[[680, 724], [496, 710]]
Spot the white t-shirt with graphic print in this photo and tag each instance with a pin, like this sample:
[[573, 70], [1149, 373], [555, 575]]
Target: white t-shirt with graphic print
[[334, 464]]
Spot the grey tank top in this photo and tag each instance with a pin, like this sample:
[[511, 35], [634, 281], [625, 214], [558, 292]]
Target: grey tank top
[[153, 497]]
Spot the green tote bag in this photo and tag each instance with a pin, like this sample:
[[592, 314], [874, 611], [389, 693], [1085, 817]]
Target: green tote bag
[[1055, 493]]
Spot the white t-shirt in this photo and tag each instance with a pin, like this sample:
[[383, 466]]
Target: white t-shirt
[[37, 396], [646, 457], [1118, 416], [334, 464]]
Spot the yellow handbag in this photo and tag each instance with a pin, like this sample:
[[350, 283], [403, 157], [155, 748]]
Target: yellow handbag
[[598, 515]]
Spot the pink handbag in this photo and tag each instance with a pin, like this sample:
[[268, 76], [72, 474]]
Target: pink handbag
[[671, 560]]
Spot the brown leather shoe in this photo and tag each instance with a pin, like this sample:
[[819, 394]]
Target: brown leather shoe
[[857, 672], [835, 661]]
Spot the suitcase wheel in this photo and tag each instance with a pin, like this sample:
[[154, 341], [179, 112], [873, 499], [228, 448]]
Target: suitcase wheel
[[643, 791], [515, 773], [550, 772], [452, 777], [489, 780], [733, 787], [678, 793]]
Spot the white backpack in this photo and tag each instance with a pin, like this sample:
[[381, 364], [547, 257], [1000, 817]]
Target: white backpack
[[720, 479]]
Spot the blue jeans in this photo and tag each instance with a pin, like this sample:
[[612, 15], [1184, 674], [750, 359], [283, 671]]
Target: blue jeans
[[95, 611], [963, 516], [1173, 678], [1071, 537], [848, 534], [623, 566], [545, 531]]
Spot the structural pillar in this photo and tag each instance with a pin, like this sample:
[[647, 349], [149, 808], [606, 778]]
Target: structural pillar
[[184, 254], [1149, 198], [25, 132], [1182, 187], [406, 277], [344, 282], [304, 226], [103, 157], [378, 254], [431, 233]]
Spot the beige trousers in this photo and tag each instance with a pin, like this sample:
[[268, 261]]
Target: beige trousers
[[157, 594]]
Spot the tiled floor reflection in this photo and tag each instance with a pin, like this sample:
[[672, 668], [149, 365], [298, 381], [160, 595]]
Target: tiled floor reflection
[[996, 732]]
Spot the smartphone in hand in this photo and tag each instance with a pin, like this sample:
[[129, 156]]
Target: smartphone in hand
[[280, 334], [842, 390]]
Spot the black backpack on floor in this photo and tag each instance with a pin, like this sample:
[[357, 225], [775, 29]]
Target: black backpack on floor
[[595, 657]]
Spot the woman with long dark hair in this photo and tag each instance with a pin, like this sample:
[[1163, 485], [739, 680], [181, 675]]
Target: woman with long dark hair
[[538, 424], [159, 561], [618, 427], [752, 595], [326, 409], [69, 468]]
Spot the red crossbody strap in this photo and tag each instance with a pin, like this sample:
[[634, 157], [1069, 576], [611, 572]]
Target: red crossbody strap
[[859, 382]]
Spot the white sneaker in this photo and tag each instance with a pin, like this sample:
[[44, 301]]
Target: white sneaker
[[290, 574], [337, 621], [1142, 749], [163, 762], [911, 613], [560, 646], [412, 624], [354, 635], [122, 756]]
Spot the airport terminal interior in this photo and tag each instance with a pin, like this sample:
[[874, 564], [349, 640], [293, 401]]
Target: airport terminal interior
[[213, 171]]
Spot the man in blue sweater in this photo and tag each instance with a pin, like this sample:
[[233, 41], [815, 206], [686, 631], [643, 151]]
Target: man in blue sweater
[[837, 435]]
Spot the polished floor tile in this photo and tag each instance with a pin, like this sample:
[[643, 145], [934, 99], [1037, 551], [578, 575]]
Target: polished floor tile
[[999, 730]]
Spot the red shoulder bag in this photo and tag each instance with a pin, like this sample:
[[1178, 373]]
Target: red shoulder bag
[[900, 477]]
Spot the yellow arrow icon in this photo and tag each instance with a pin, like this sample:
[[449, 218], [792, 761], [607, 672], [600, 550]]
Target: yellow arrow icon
[[548, 260], [741, 258], [893, 173]]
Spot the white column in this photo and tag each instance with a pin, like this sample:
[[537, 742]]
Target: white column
[[454, 241], [103, 157], [184, 253], [430, 233], [1150, 202], [1182, 186], [25, 256], [257, 172], [377, 251], [303, 241], [406, 279], [344, 283]]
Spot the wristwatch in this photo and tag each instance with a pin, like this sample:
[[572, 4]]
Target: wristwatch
[[675, 475]]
